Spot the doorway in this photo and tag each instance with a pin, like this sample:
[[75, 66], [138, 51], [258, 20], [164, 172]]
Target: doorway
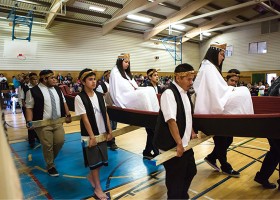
[[269, 77]]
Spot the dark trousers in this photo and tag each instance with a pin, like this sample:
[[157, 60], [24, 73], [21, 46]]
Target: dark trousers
[[114, 127], [149, 143], [271, 160], [179, 175], [220, 151], [31, 133]]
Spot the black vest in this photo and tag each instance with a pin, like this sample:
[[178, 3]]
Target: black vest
[[104, 87], [163, 139], [90, 113], [160, 90], [38, 96], [25, 88]]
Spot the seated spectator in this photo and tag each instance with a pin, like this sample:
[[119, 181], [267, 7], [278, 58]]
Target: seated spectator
[[65, 81], [266, 89], [261, 89], [3, 82], [69, 78], [59, 78], [255, 90], [71, 88]]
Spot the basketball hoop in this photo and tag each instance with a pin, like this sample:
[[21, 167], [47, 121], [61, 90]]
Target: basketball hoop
[[20, 56]]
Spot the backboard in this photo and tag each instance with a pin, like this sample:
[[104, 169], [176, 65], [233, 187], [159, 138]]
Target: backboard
[[14, 48]]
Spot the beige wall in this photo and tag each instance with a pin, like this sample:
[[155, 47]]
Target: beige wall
[[240, 38], [71, 47]]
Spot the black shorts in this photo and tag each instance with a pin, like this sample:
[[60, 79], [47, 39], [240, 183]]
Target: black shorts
[[96, 156]]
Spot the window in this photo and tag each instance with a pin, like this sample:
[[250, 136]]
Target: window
[[229, 51], [257, 47]]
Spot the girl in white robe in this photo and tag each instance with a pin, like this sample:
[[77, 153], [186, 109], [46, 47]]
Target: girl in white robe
[[213, 95], [125, 92]]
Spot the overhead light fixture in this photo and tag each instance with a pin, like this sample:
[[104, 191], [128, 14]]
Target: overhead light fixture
[[139, 18], [30, 2], [97, 8], [206, 33], [178, 27]]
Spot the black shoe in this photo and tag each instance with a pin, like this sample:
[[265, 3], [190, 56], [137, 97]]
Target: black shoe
[[212, 163], [113, 147], [53, 172], [265, 183], [148, 156], [232, 173]]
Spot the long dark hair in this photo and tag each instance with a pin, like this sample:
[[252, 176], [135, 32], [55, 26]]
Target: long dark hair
[[121, 70], [213, 56]]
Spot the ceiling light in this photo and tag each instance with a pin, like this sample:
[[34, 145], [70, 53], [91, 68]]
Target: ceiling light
[[178, 27], [139, 18], [97, 8], [30, 2], [206, 34]]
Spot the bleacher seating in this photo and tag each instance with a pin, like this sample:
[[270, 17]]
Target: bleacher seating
[[68, 96]]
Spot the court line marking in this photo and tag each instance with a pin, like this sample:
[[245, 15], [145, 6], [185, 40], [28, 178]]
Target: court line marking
[[32, 176], [130, 191], [244, 154], [77, 177], [254, 147], [40, 168], [224, 180], [112, 177], [197, 193], [261, 142]]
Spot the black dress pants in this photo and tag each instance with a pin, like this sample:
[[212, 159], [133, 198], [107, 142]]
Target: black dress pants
[[271, 160], [149, 143], [179, 175], [220, 151], [31, 133], [114, 127]]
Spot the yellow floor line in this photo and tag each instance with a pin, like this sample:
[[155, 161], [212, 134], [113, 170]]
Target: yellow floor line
[[41, 169], [70, 176], [120, 177]]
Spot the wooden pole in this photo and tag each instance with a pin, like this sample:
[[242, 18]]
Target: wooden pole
[[161, 158], [126, 129], [9, 181], [48, 122], [99, 138]]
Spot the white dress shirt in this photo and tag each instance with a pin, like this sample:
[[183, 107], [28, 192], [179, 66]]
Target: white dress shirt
[[169, 110], [47, 101]]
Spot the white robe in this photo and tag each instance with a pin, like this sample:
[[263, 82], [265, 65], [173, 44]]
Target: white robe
[[126, 93], [214, 96]]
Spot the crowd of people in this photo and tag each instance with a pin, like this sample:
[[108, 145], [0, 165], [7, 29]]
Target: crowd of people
[[41, 98]]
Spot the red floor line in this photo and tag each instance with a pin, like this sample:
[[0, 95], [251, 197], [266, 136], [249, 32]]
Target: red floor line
[[42, 188]]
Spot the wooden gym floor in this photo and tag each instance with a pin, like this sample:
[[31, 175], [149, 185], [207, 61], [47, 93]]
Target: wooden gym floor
[[245, 155]]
